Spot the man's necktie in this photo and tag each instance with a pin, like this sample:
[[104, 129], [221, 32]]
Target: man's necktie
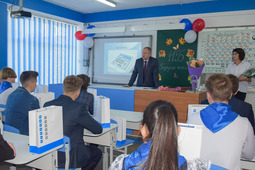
[[144, 71]]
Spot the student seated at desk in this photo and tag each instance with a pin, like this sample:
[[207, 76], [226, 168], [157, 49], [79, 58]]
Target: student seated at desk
[[20, 102], [160, 132], [226, 136], [85, 97], [8, 77], [75, 119], [7, 150], [242, 108]]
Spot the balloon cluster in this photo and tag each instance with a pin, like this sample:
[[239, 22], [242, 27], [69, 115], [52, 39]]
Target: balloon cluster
[[191, 28], [88, 41]]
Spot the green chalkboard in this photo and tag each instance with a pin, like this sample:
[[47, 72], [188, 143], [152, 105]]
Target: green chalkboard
[[173, 54]]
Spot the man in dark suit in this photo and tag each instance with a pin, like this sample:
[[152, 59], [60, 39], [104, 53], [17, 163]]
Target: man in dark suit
[[242, 108], [75, 119], [147, 70], [20, 102]]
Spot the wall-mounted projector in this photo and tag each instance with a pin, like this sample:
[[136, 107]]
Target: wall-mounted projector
[[20, 14]]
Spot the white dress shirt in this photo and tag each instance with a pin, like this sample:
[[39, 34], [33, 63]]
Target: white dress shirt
[[238, 70]]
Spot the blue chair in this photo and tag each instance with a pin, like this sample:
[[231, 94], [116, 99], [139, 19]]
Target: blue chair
[[66, 148], [9, 128], [121, 146]]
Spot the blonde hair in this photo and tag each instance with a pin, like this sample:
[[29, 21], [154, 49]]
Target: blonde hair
[[220, 87]]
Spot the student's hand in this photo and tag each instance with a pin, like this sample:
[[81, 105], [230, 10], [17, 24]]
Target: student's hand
[[126, 85], [12, 146]]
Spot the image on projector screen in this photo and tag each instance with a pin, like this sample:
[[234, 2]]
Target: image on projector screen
[[121, 61]]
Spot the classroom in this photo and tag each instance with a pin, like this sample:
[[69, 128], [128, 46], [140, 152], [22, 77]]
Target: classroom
[[60, 38]]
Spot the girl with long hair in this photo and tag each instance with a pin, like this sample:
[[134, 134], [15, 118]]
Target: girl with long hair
[[160, 132]]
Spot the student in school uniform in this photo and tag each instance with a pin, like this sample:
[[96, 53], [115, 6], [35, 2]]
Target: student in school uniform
[[239, 67], [242, 108], [75, 119], [160, 132], [227, 137], [85, 97], [7, 150], [8, 77], [20, 102]]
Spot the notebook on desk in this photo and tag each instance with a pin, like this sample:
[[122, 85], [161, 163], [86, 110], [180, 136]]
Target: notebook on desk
[[190, 140]]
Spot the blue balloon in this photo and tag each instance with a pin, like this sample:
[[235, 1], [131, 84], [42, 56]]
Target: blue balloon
[[90, 27], [188, 24]]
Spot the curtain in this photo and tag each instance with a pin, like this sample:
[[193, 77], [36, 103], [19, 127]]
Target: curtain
[[43, 45]]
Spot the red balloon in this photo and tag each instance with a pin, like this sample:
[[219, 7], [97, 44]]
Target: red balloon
[[80, 36], [198, 25]]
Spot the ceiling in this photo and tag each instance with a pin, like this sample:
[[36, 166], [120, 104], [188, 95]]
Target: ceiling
[[93, 6]]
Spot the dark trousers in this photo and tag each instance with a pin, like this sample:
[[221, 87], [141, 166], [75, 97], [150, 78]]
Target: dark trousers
[[95, 156], [241, 95]]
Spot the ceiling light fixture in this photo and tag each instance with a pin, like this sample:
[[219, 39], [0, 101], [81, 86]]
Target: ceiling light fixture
[[107, 3]]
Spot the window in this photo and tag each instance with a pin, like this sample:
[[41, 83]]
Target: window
[[43, 45]]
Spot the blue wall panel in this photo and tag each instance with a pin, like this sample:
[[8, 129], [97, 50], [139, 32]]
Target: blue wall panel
[[57, 89], [119, 99], [3, 35]]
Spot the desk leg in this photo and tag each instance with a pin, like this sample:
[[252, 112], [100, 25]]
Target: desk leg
[[54, 160], [111, 154], [105, 159], [113, 143]]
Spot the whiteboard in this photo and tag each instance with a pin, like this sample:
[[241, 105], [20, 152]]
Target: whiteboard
[[114, 57], [216, 47]]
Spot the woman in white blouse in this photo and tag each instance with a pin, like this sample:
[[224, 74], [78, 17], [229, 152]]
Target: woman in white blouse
[[239, 67]]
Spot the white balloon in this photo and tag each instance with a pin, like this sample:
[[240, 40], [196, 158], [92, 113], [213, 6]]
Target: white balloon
[[88, 42], [190, 36]]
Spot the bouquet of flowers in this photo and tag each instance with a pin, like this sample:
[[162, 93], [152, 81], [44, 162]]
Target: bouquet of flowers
[[195, 67], [196, 63], [250, 73], [162, 88]]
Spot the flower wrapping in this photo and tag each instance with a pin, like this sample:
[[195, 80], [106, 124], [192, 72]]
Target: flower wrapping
[[250, 73], [195, 73]]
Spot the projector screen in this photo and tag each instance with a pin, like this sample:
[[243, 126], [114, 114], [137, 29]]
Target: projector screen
[[114, 57]]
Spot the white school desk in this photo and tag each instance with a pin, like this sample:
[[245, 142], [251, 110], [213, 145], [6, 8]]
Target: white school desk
[[45, 161], [246, 164], [133, 119], [106, 138]]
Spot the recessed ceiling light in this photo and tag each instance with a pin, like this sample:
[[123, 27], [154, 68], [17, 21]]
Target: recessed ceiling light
[[107, 3]]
